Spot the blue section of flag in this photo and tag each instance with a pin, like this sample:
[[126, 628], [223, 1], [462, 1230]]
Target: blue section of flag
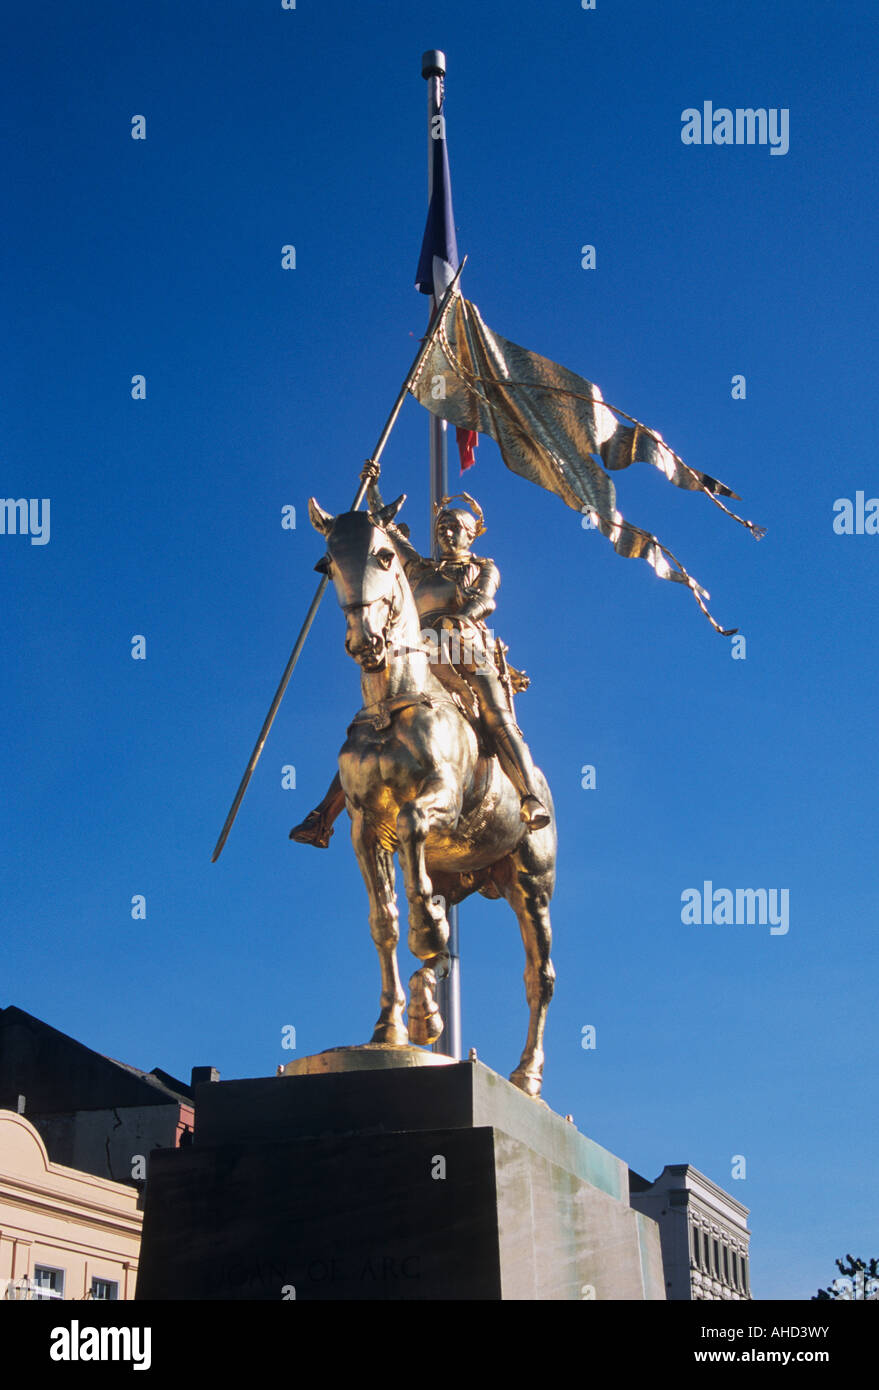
[[439, 249]]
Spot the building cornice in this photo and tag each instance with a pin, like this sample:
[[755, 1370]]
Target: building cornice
[[694, 1181]]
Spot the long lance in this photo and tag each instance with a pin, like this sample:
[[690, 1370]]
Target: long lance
[[315, 602]]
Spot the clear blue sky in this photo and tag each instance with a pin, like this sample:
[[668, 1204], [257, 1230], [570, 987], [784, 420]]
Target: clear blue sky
[[163, 257]]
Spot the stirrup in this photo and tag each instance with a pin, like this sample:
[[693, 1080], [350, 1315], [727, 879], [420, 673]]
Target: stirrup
[[312, 831], [534, 813]]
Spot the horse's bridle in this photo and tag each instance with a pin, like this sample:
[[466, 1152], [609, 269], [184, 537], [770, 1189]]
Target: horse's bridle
[[394, 603], [395, 609]]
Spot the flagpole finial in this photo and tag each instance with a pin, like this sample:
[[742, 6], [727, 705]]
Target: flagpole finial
[[433, 63]]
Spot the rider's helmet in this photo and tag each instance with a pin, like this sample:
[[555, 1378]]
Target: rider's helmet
[[470, 517]]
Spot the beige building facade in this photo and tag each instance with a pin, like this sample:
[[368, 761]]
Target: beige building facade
[[63, 1233]]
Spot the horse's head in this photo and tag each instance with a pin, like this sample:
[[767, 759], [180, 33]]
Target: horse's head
[[369, 581]]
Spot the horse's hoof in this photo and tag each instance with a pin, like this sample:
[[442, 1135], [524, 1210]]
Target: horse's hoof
[[425, 1019], [534, 813], [394, 1034], [312, 831], [527, 1082], [424, 1029]]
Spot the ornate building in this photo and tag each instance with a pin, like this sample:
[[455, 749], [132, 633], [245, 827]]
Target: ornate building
[[77, 1130], [64, 1234], [703, 1232]]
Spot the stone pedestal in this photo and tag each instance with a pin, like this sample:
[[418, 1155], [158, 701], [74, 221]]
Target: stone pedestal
[[426, 1182]]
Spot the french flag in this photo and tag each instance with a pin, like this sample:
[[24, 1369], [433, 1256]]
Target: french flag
[[438, 261]]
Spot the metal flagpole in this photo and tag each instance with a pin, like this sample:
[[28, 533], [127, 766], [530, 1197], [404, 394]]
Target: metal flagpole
[[433, 69], [315, 602]]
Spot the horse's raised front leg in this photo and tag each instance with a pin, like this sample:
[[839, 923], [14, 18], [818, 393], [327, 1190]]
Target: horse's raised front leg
[[529, 893], [436, 806], [377, 867]]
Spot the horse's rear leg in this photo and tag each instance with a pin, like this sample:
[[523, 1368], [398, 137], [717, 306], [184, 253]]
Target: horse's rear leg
[[377, 867], [528, 891], [428, 925]]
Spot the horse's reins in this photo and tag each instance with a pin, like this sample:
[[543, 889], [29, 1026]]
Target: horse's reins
[[384, 710], [394, 613]]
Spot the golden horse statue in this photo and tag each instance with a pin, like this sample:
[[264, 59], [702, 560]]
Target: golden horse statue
[[420, 783]]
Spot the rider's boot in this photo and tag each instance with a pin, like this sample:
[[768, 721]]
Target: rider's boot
[[317, 828], [515, 760]]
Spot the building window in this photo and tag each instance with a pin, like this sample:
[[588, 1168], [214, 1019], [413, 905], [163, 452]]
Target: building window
[[716, 1266], [696, 1252], [107, 1290], [49, 1283]]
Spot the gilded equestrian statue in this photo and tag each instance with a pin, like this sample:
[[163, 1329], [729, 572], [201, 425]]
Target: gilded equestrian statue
[[434, 767]]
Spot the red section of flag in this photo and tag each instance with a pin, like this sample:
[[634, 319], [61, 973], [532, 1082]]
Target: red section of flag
[[467, 441]]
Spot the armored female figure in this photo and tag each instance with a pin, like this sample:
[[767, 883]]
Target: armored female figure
[[454, 595]]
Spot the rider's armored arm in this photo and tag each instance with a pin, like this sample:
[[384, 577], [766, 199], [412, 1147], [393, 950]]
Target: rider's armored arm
[[413, 563], [375, 503], [480, 596], [374, 499]]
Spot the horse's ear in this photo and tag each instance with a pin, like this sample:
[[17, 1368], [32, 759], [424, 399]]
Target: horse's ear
[[386, 514], [320, 520]]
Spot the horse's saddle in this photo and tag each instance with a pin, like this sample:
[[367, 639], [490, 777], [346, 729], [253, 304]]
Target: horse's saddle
[[379, 716]]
